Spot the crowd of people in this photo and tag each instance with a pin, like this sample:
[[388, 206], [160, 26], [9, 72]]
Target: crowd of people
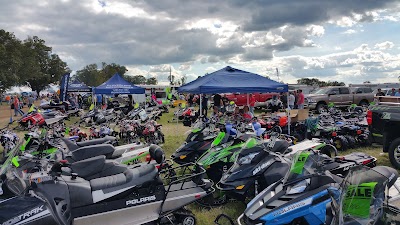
[[393, 92]]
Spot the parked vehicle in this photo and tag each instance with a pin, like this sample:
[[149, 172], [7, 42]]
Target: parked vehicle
[[384, 123], [137, 196], [241, 99], [340, 96]]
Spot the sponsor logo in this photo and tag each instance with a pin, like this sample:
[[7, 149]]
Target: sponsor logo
[[292, 207], [24, 216], [262, 166], [140, 200]]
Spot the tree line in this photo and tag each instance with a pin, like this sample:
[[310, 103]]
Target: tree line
[[31, 62], [319, 83], [28, 62], [93, 76]]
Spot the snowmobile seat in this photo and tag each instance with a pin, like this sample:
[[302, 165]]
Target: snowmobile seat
[[96, 141], [72, 146], [96, 167], [91, 151], [129, 178]]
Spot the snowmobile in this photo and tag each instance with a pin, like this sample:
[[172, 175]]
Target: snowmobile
[[197, 142], [303, 196], [261, 163], [136, 196]]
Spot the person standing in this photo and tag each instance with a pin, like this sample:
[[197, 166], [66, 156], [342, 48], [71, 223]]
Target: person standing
[[17, 106], [284, 99], [80, 101], [252, 103], [30, 101], [291, 100], [217, 101], [204, 105], [393, 92], [380, 93], [300, 100], [397, 93]]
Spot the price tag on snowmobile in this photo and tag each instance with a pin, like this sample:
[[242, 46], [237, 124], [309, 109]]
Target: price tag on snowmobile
[[358, 199], [298, 162]]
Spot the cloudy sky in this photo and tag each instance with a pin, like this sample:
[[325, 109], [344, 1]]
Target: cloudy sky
[[345, 40]]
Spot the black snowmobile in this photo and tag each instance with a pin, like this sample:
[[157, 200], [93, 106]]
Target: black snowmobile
[[197, 142]]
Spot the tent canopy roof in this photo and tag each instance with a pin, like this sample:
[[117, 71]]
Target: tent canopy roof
[[228, 80], [118, 85]]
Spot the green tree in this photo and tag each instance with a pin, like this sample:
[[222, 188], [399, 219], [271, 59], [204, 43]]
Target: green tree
[[10, 59], [138, 79], [41, 67], [90, 75], [108, 70], [93, 76], [183, 80], [151, 81]]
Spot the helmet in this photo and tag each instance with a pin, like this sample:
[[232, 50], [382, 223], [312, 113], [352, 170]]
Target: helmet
[[256, 125]]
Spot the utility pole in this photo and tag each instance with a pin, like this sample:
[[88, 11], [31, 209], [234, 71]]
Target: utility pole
[[277, 74]]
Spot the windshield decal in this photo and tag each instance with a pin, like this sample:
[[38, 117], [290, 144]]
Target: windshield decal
[[358, 199], [196, 130], [219, 138], [298, 162]]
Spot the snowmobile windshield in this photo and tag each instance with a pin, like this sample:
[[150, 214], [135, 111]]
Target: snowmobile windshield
[[15, 178], [11, 158], [245, 157], [363, 198], [304, 164]]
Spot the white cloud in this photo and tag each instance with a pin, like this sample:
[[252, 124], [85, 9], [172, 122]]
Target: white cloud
[[211, 69], [338, 48], [384, 45], [350, 31]]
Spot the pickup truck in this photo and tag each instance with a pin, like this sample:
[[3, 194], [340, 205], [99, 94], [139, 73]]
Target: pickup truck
[[241, 99], [384, 125], [340, 96]]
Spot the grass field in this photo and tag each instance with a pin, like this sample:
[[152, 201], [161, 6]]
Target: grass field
[[174, 137]]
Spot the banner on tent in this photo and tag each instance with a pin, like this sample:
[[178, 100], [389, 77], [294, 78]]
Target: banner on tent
[[120, 91]]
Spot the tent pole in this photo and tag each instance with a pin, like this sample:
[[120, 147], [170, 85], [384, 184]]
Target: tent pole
[[288, 111], [201, 100]]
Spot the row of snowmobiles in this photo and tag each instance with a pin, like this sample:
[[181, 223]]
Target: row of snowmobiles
[[95, 190], [245, 165], [50, 179]]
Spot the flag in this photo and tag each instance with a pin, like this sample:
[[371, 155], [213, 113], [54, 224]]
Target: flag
[[64, 87], [31, 109]]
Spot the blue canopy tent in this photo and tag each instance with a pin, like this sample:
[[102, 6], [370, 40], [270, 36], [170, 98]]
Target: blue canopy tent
[[118, 85], [77, 86], [231, 80], [228, 80]]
